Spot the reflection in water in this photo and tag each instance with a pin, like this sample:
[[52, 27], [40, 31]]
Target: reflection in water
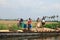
[[43, 38]]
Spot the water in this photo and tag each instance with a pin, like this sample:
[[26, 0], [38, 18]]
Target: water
[[41, 38]]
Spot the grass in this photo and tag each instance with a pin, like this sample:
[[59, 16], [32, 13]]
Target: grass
[[13, 28], [3, 27]]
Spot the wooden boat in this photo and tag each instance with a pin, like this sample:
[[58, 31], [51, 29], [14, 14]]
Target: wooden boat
[[28, 34]]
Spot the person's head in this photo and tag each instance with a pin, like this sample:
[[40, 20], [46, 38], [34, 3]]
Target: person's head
[[43, 17], [38, 19], [21, 19], [29, 18]]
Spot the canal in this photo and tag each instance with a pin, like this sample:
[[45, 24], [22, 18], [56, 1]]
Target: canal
[[26, 38]]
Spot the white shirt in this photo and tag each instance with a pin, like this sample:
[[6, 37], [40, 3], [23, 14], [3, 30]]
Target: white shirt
[[43, 20]]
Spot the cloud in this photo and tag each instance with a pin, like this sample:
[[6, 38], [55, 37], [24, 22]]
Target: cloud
[[3, 2], [29, 4], [20, 3], [56, 6], [50, 7]]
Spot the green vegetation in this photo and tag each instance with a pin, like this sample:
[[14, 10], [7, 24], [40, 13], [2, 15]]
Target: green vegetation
[[33, 24], [59, 24], [13, 28], [53, 25], [3, 27]]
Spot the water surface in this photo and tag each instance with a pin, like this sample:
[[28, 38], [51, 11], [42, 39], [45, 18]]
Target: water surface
[[41, 38]]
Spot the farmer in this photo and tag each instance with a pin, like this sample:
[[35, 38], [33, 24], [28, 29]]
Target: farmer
[[21, 23], [38, 23], [29, 24], [43, 20]]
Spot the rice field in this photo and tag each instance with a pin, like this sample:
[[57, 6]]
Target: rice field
[[13, 24], [9, 23]]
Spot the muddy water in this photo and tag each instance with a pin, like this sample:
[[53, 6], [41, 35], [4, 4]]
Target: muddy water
[[41, 38]]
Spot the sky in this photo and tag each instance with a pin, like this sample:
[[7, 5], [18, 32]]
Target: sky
[[12, 9]]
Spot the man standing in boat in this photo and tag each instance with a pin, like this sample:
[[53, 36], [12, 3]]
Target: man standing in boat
[[38, 23], [43, 20], [29, 24]]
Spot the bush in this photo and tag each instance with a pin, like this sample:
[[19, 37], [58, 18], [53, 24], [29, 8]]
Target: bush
[[14, 28], [58, 24], [3, 27], [53, 26]]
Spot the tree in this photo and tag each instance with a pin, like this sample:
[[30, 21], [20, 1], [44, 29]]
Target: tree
[[57, 17]]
